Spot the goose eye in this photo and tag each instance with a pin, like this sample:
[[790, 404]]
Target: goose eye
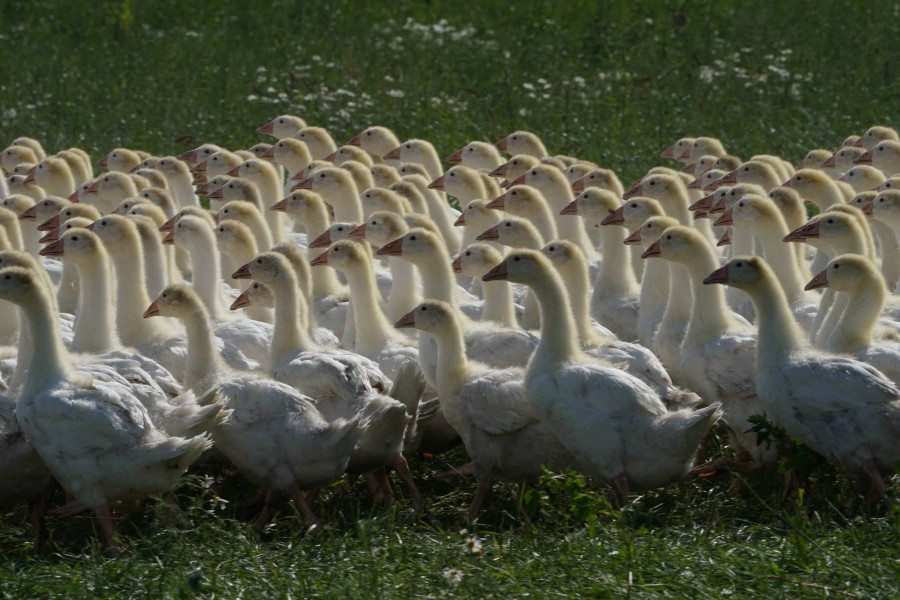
[[508, 224], [741, 204], [517, 259], [322, 176], [165, 295], [652, 183], [837, 266], [7, 277], [669, 237], [634, 205], [368, 133], [746, 169], [412, 238], [830, 221], [881, 200], [106, 179], [798, 178], [424, 308], [468, 253], [74, 238], [739, 264], [221, 230], [259, 261], [407, 146]]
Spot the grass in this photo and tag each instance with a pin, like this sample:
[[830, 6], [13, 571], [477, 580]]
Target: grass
[[612, 82]]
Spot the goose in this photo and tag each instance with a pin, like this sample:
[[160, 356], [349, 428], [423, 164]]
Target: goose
[[888, 243], [438, 209], [842, 159], [411, 194], [702, 146], [236, 240], [23, 473], [577, 171], [872, 136], [496, 346], [351, 153], [32, 143], [380, 228], [596, 340], [884, 156], [669, 190], [708, 181], [602, 178], [122, 160], [702, 165], [317, 140], [337, 188], [53, 175], [522, 142], [631, 215], [282, 126], [616, 294], [158, 339], [384, 175], [290, 153], [817, 188], [845, 410], [477, 155], [528, 203], [274, 435], [97, 440], [161, 198], [157, 261], [236, 188], [475, 260], [556, 190], [515, 167], [420, 152], [378, 141], [717, 351], [890, 183], [199, 154], [476, 217], [815, 159], [760, 215], [107, 190], [24, 237], [362, 175], [856, 276], [341, 383], [37, 212], [247, 214], [14, 155], [265, 177], [863, 177], [759, 172], [488, 407], [464, 184], [676, 150], [642, 445], [15, 184], [380, 199], [790, 203]]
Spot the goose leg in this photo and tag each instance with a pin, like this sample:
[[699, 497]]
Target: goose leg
[[466, 469], [297, 496], [263, 518], [38, 523], [877, 483], [481, 493], [402, 468], [108, 529], [385, 485]]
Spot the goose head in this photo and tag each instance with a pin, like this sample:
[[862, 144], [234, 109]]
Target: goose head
[[458, 181], [594, 204], [256, 294], [512, 232], [336, 231], [814, 159], [847, 273], [476, 259], [885, 156], [650, 230], [676, 150], [377, 140], [411, 193], [520, 200], [343, 255], [545, 178], [317, 140], [268, 268], [753, 171], [218, 163], [432, 316], [413, 169], [34, 211], [73, 223], [176, 300], [753, 208], [18, 285], [702, 146], [742, 272], [327, 181], [701, 165], [238, 188], [678, 243], [160, 197], [111, 187], [417, 245], [876, 134], [380, 228], [283, 126], [709, 180], [562, 252], [14, 155], [347, 153], [515, 167], [199, 154], [863, 177], [19, 204], [522, 142], [77, 245], [633, 212], [68, 212], [521, 266], [384, 175], [233, 236], [658, 186], [260, 150], [376, 199], [189, 232], [122, 160], [885, 206], [575, 173], [125, 206], [477, 155]]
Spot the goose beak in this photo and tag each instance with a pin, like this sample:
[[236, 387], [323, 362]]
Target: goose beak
[[704, 203], [799, 234], [578, 185], [460, 220], [457, 264], [235, 172], [54, 249], [241, 301], [393, 154], [689, 168], [393, 248], [437, 184], [830, 162], [669, 152], [696, 184], [572, 209], [216, 194], [190, 157], [718, 207], [305, 184], [819, 281], [242, 273], [725, 240], [169, 224], [489, 234], [280, 206], [93, 188], [520, 180], [700, 214], [321, 259], [269, 153], [103, 162], [73, 197], [358, 232], [152, 310], [355, 140], [51, 223], [323, 241], [502, 145], [407, 320], [684, 155], [497, 273], [456, 157], [730, 177], [866, 157], [497, 203], [727, 218], [718, 276], [268, 128], [616, 217], [29, 176], [869, 208], [330, 158], [51, 236], [499, 171], [634, 238], [653, 251], [29, 214], [635, 189], [92, 226], [169, 240]]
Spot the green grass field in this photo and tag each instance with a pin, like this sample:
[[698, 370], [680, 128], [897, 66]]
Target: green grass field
[[614, 83]]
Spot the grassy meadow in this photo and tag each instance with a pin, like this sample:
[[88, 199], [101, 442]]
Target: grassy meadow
[[611, 82]]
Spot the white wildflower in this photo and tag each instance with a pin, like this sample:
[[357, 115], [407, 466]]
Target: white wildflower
[[453, 576], [707, 74], [473, 546], [395, 93]]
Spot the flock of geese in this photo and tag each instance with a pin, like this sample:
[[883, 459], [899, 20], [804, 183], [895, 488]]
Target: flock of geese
[[564, 321]]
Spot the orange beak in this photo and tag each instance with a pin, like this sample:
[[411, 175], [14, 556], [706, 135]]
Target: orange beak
[[720, 275], [869, 208], [168, 225], [54, 249], [280, 206], [497, 203], [29, 214], [355, 140], [242, 273], [358, 232], [578, 185], [29, 176], [169, 240], [718, 207], [725, 240], [819, 281], [331, 157], [497, 273], [460, 220], [152, 310], [241, 301], [635, 189], [234, 172], [684, 155], [499, 171], [866, 157], [727, 218], [393, 248], [269, 152], [407, 320], [267, 128], [393, 154], [457, 264], [572, 209], [634, 238], [323, 241], [103, 162], [616, 217], [51, 223], [321, 259], [520, 180], [305, 184], [489, 234], [670, 151], [502, 144], [189, 157], [704, 203], [456, 157], [93, 188], [437, 184], [652, 251], [51, 236], [730, 177], [216, 194], [688, 168], [830, 162]]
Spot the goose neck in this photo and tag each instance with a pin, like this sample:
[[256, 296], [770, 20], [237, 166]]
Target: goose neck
[[289, 335], [559, 337], [49, 361], [94, 327], [853, 332]]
